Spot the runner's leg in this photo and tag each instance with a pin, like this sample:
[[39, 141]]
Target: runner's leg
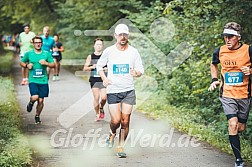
[[96, 94], [115, 114], [125, 120]]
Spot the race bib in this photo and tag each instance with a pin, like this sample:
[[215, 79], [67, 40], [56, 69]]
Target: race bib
[[233, 78], [38, 73], [55, 54], [95, 73], [120, 68]]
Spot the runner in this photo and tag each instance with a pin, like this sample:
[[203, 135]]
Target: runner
[[25, 43], [124, 63], [57, 56], [36, 62], [98, 89], [48, 43], [235, 87]]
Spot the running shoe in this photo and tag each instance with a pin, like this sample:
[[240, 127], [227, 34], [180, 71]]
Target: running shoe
[[120, 153], [102, 114], [22, 82], [110, 140], [29, 107], [54, 78], [26, 82], [37, 120], [97, 119], [239, 163]]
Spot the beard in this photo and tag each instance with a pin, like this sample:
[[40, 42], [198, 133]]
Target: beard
[[123, 43]]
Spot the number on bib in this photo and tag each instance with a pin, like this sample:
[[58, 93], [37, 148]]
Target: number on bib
[[120, 68], [233, 78], [38, 73]]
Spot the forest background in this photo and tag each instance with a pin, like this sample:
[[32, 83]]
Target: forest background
[[181, 95]]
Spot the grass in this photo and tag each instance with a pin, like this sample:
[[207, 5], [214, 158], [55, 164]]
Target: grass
[[5, 63], [14, 148]]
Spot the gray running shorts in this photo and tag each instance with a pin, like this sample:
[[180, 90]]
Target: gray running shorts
[[236, 108], [128, 97]]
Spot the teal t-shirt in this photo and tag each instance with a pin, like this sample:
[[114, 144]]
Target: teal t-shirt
[[38, 72], [48, 43]]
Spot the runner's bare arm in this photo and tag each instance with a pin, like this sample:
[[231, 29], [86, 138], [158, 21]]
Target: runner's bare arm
[[87, 63]]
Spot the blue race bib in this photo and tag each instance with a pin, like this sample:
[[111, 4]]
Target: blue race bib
[[55, 54], [38, 73], [233, 78], [120, 68], [95, 73]]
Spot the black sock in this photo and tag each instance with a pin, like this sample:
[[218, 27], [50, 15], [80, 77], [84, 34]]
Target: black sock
[[235, 144]]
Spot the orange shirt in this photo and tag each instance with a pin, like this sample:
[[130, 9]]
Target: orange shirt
[[234, 84]]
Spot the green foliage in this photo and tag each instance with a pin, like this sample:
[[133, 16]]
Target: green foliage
[[16, 153], [201, 26], [86, 15], [5, 63], [199, 23], [14, 149], [38, 13], [182, 94]]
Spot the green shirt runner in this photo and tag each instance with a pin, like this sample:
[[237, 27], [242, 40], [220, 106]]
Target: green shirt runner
[[38, 72]]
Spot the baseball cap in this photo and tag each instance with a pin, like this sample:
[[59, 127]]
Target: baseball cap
[[230, 32], [121, 29]]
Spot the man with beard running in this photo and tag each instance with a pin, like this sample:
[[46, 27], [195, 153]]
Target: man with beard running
[[124, 63]]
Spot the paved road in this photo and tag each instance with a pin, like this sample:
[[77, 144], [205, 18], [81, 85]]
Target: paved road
[[69, 137]]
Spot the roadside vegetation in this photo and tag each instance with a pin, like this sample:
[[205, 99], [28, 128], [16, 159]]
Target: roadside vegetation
[[181, 96], [14, 147]]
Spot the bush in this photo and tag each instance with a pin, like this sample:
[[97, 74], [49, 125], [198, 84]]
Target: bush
[[14, 148], [5, 63]]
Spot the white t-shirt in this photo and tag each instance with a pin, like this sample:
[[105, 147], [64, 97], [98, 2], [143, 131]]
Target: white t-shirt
[[119, 64]]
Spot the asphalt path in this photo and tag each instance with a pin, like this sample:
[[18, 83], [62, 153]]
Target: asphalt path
[[69, 136]]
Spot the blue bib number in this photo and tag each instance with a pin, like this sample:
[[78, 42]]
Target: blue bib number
[[233, 78], [55, 54], [120, 68], [38, 73], [95, 73]]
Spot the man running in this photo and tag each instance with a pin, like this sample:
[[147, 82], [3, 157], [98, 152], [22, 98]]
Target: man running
[[124, 63], [36, 61], [235, 87], [48, 43], [98, 89], [25, 43]]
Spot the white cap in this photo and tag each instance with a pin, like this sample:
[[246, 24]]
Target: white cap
[[121, 29], [229, 32]]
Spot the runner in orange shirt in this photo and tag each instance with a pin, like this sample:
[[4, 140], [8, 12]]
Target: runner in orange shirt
[[235, 86]]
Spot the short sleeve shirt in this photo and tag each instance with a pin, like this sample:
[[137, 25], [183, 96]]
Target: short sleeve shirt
[[48, 43], [38, 72]]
